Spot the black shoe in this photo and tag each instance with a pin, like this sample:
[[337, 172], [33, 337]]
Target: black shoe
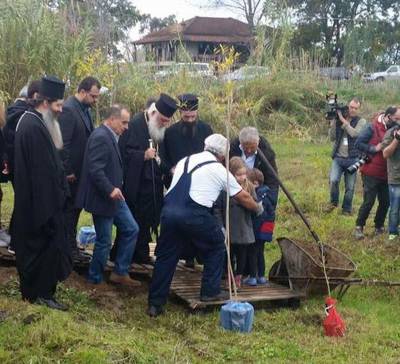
[[51, 303], [80, 257], [154, 311], [222, 296], [189, 263]]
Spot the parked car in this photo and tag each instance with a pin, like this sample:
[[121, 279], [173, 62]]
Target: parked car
[[335, 73], [246, 73], [194, 69], [392, 73]]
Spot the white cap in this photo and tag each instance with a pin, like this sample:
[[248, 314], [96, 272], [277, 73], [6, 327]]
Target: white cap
[[216, 143]]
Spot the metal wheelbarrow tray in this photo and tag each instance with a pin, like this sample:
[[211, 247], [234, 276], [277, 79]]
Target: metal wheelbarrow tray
[[301, 267]]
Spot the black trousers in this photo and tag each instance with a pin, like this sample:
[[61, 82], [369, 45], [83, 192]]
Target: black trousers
[[374, 188], [260, 244], [71, 214], [246, 259]]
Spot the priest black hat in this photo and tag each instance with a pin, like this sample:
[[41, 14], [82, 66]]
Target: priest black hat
[[52, 88], [188, 102], [166, 105]]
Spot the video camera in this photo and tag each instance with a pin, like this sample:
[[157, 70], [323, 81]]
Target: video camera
[[332, 107]]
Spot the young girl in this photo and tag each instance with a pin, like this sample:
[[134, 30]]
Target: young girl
[[241, 226]]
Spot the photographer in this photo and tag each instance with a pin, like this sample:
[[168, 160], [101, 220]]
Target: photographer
[[391, 152], [344, 130], [374, 172]]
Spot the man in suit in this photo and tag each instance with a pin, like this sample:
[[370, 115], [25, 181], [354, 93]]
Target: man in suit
[[76, 126], [100, 194]]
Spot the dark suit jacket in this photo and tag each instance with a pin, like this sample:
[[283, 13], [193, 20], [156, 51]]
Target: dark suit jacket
[[266, 148], [76, 128], [101, 173]]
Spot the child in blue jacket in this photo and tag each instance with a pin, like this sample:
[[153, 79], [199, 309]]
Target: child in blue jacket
[[265, 223]]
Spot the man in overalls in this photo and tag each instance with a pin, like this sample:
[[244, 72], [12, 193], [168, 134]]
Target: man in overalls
[[186, 216]]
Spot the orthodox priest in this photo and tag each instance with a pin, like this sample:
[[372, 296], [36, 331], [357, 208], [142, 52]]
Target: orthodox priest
[[143, 186], [184, 138], [42, 252]]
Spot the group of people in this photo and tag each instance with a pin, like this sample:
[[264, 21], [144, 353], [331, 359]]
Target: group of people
[[376, 145], [151, 179]]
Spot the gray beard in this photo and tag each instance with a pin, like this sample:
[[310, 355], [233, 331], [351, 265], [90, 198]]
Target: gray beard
[[53, 127], [156, 133]]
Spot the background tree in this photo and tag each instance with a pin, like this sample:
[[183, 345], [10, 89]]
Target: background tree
[[250, 10], [110, 20], [151, 24], [326, 24]]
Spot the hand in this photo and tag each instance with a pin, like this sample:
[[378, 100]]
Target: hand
[[150, 154], [260, 208], [341, 118], [396, 135], [378, 147], [116, 194], [5, 170], [71, 178]]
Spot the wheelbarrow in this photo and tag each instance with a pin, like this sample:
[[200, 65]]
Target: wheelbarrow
[[313, 268], [300, 268]]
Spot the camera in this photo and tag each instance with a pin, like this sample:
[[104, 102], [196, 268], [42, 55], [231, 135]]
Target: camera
[[333, 106], [395, 132], [356, 166]]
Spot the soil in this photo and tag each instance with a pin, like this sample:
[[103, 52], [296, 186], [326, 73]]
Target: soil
[[333, 258]]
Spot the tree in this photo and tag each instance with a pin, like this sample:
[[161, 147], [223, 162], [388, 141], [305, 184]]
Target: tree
[[150, 24], [110, 20], [251, 10], [326, 23]]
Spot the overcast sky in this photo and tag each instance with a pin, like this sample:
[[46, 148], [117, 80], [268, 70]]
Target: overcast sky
[[182, 9]]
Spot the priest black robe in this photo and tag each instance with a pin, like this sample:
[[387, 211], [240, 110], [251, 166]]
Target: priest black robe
[[181, 140], [42, 252], [143, 187]]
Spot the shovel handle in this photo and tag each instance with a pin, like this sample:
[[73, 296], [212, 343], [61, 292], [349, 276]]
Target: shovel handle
[[288, 195]]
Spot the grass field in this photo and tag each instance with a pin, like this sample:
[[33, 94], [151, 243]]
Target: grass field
[[112, 327]]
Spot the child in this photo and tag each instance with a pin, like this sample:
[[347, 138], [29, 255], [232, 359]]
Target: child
[[241, 226], [265, 223]]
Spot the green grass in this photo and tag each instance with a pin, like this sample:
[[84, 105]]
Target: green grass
[[113, 328]]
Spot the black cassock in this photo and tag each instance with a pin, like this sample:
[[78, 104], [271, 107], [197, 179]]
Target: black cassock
[[42, 252], [181, 140], [143, 187]]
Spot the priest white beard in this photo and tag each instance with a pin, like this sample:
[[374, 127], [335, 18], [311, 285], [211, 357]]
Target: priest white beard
[[156, 132], [53, 127]]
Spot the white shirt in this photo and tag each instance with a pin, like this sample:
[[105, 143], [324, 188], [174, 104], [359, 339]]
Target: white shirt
[[207, 181], [250, 160]]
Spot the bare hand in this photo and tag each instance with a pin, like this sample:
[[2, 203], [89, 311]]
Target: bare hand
[[150, 154], [341, 118], [378, 147], [116, 194], [71, 178]]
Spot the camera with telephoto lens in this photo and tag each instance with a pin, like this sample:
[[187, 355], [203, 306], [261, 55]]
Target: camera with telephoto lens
[[333, 106], [356, 166]]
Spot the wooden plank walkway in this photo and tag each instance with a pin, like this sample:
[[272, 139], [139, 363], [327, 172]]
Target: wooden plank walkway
[[187, 281]]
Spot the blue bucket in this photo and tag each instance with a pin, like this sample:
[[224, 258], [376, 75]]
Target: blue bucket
[[237, 316], [87, 235]]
